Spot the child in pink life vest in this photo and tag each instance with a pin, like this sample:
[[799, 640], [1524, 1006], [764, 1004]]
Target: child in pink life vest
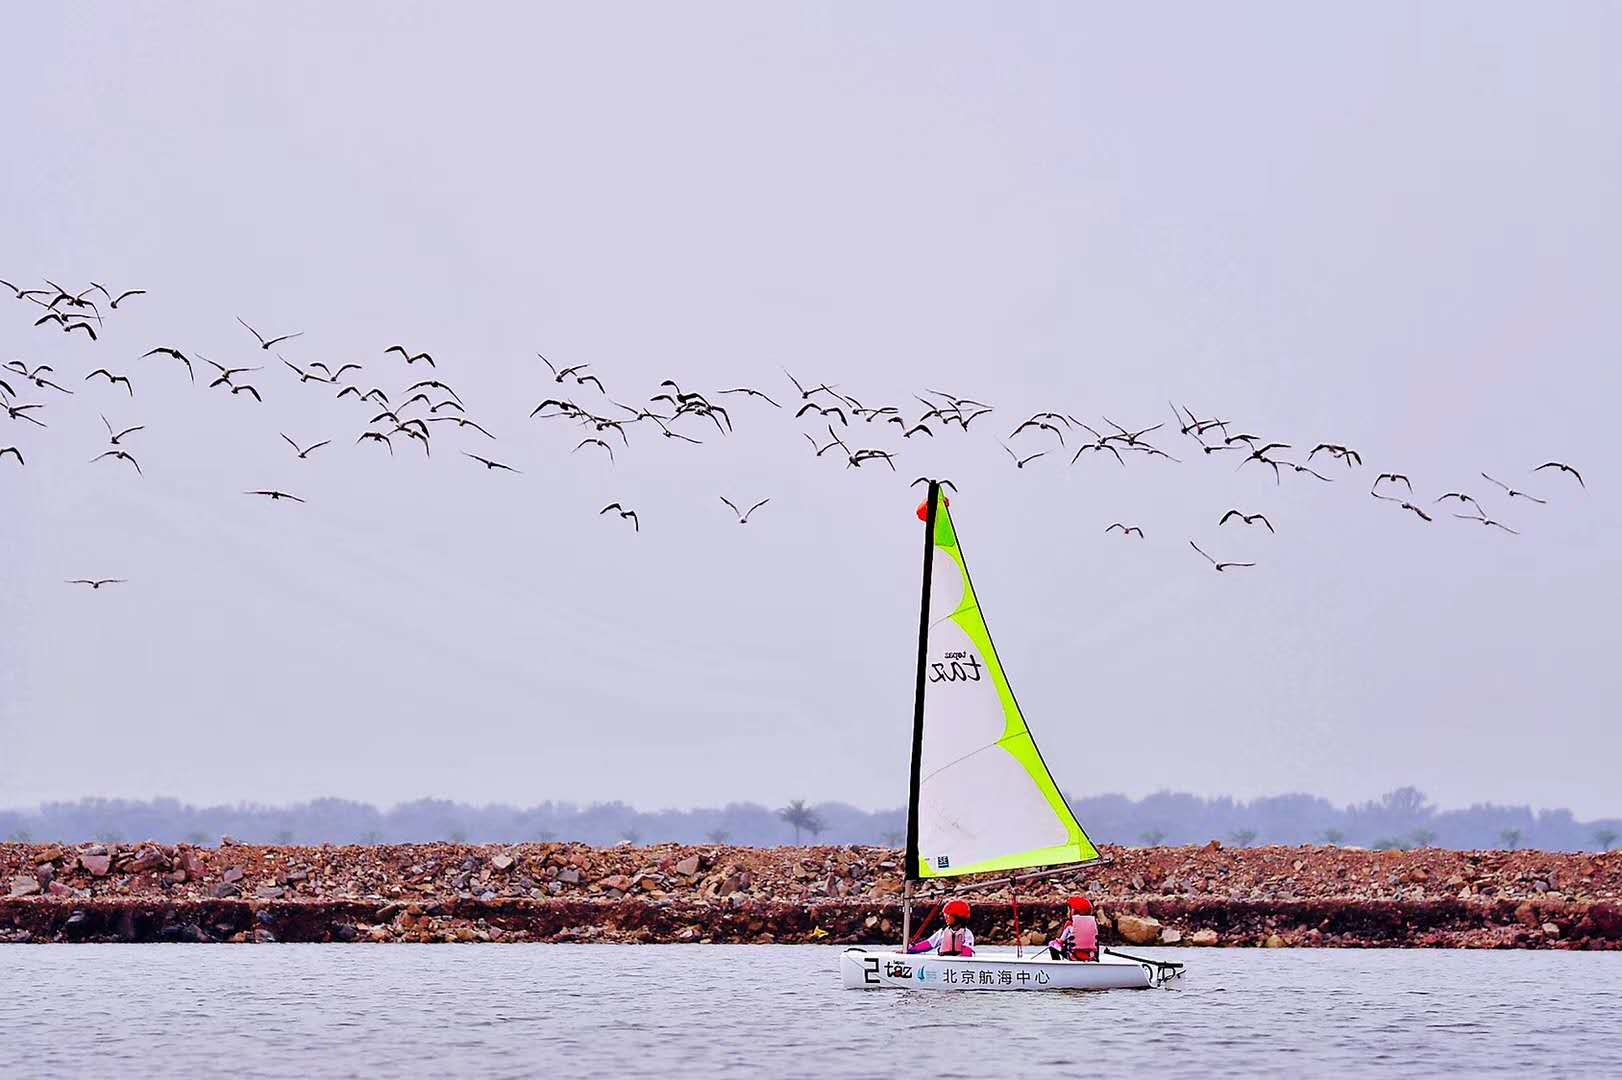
[[1079, 938], [953, 939]]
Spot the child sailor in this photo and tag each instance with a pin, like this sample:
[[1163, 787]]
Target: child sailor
[[953, 939], [1079, 938]]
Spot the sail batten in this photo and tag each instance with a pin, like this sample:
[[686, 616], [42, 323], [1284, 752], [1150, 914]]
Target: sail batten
[[982, 799]]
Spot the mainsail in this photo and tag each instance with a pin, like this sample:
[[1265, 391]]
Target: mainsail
[[982, 798]]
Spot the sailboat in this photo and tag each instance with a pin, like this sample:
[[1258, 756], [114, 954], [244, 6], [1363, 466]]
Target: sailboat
[[981, 804]]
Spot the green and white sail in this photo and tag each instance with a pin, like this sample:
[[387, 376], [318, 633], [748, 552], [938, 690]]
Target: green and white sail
[[982, 798]]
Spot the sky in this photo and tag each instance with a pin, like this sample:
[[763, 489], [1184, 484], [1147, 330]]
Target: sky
[[1394, 227]]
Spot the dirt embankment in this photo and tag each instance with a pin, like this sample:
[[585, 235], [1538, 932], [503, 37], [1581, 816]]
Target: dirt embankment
[[1306, 896]]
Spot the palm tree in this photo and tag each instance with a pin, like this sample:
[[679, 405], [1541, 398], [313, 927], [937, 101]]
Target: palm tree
[[1510, 838], [892, 838], [372, 838], [21, 836], [545, 836], [1605, 838], [458, 836], [196, 839], [1152, 838], [1243, 837], [1387, 843], [631, 836], [718, 836], [1424, 837], [1334, 837], [284, 837], [801, 818]]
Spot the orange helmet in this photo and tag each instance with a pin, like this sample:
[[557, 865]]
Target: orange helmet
[[960, 908], [1081, 905], [923, 507]]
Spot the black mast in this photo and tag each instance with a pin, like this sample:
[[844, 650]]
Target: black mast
[[912, 869]]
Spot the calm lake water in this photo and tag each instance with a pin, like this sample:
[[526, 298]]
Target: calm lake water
[[769, 1011]]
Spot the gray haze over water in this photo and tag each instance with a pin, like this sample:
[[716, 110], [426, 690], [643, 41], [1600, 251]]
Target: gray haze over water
[[1394, 227]]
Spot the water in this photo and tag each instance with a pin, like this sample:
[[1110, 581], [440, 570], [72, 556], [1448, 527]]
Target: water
[[768, 1011]]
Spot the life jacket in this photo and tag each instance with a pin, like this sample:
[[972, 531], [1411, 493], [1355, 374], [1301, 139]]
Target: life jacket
[[1084, 937], [951, 941]]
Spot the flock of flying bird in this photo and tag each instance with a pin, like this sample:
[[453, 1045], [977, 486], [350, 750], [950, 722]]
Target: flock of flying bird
[[411, 417]]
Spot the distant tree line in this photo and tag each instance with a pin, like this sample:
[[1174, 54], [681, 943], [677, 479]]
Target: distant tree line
[[1399, 819]]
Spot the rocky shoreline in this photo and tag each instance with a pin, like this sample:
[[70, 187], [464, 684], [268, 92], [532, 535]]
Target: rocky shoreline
[[1207, 896]]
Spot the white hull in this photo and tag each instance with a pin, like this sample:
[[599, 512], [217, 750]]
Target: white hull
[[874, 969]]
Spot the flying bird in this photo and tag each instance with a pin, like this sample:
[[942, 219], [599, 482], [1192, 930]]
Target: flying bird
[[96, 583], [410, 358], [1248, 519], [854, 461], [435, 384], [226, 373], [275, 496], [1516, 494], [1020, 462], [1342, 453], [461, 422], [1463, 498], [829, 410], [165, 350], [376, 436], [743, 516], [751, 393], [266, 344], [114, 436], [246, 389], [123, 455], [113, 380], [4, 450], [308, 450], [1394, 478], [1126, 530], [20, 412], [114, 301], [1485, 520], [1404, 503], [595, 442], [1220, 566], [306, 376], [1563, 467], [624, 513], [488, 464]]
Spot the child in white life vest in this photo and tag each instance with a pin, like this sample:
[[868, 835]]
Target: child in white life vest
[[1079, 938], [953, 939]]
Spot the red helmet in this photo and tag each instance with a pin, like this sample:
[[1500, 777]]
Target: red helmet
[[960, 908], [1081, 905]]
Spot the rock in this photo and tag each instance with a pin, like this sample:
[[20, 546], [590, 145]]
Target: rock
[[503, 861], [1551, 929], [1169, 936], [1203, 937], [226, 890], [269, 892], [688, 867], [1138, 929], [569, 876], [617, 882], [24, 885], [1274, 942], [233, 875], [98, 865], [146, 859]]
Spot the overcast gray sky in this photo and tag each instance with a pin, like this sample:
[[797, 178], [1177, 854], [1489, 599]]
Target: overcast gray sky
[[1393, 226]]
